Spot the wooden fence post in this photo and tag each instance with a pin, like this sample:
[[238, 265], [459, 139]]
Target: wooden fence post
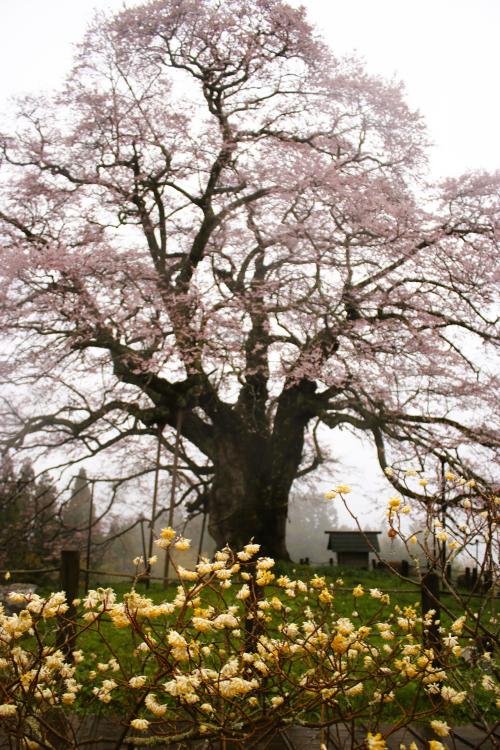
[[70, 579]]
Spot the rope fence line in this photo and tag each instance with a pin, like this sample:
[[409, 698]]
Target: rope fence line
[[139, 576], [28, 570]]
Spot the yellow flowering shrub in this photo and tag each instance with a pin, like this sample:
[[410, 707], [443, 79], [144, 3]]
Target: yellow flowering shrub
[[235, 646]]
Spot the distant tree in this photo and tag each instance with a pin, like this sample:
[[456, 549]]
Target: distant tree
[[80, 519], [217, 227], [30, 525], [76, 511]]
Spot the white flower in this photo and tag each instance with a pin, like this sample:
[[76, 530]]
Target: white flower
[[8, 709], [158, 709], [487, 682], [441, 728], [187, 575], [244, 592], [356, 689], [137, 682], [140, 724], [182, 544], [452, 695]]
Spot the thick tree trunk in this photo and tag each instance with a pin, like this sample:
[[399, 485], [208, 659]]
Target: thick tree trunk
[[244, 501], [254, 472]]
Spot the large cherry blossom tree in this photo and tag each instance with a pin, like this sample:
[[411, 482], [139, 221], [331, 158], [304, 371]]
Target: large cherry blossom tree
[[220, 228]]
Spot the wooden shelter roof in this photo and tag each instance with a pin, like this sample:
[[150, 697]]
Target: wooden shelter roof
[[353, 541]]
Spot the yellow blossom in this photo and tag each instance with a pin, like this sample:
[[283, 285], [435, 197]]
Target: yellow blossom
[[187, 575], [152, 705], [264, 578], [182, 544], [330, 495], [436, 745], [356, 689], [343, 489], [358, 591], [249, 550], [243, 593], [7, 709], [167, 533], [340, 644], [140, 724], [325, 597], [202, 624], [453, 696], [318, 582], [441, 728], [137, 682], [458, 625], [375, 741], [487, 682]]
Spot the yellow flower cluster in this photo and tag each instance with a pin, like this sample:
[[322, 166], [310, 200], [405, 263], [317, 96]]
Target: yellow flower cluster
[[209, 657]]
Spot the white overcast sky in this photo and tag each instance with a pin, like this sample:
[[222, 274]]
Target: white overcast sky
[[447, 52]]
